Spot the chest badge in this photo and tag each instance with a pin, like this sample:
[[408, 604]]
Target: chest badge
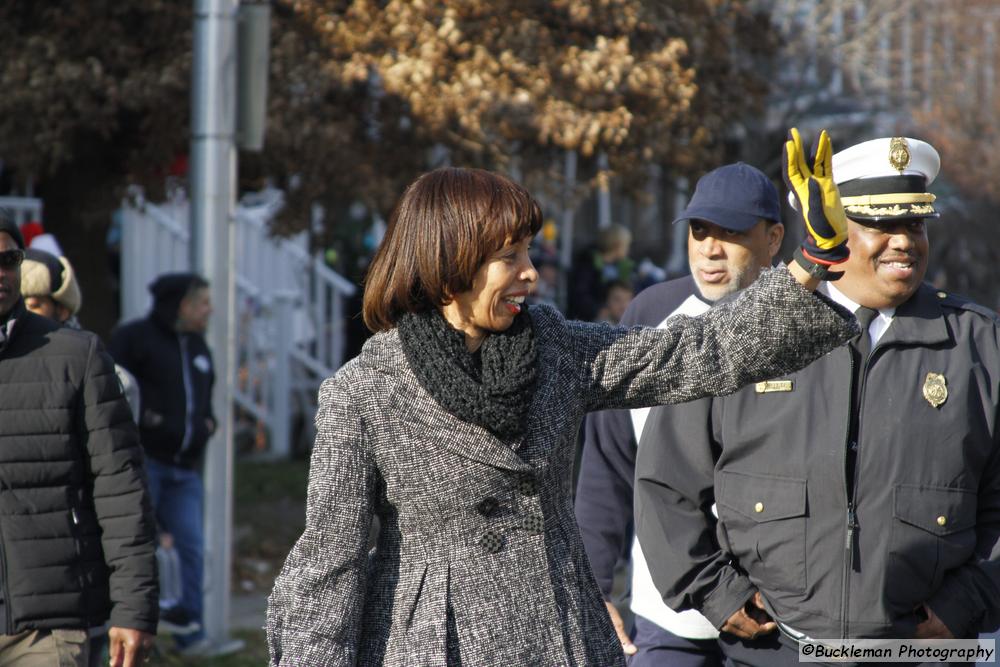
[[935, 389]]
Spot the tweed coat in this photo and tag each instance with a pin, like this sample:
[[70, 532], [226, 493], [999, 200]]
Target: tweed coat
[[479, 560]]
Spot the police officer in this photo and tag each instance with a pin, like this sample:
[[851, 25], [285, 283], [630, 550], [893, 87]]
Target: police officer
[[859, 497]]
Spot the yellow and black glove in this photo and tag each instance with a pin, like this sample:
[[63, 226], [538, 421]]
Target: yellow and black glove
[[819, 201]]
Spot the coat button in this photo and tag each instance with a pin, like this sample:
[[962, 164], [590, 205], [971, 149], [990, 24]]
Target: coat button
[[491, 541], [527, 485], [942, 520], [487, 506], [759, 507], [533, 523]]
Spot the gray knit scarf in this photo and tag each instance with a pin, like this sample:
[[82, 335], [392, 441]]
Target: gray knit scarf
[[492, 387]]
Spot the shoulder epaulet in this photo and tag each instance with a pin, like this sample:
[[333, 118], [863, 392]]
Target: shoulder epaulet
[[960, 302]]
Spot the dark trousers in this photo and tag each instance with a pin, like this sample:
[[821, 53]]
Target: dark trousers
[[661, 648], [777, 650], [770, 650]]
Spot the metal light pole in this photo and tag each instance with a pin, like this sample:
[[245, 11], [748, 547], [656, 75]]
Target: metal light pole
[[213, 203], [566, 229]]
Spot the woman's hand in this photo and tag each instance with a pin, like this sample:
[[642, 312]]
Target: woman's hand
[[818, 200]]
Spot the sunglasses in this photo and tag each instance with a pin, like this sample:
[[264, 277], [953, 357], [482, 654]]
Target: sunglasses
[[11, 259]]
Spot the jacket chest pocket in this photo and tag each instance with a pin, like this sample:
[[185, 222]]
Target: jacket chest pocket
[[764, 518], [933, 531]]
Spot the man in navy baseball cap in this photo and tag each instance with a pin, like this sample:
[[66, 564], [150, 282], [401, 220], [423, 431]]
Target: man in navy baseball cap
[[735, 229]]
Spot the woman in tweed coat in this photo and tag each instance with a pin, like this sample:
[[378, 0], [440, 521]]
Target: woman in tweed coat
[[456, 427]]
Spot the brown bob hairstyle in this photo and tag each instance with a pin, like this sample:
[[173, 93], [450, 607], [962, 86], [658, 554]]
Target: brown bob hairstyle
[[444, 227]]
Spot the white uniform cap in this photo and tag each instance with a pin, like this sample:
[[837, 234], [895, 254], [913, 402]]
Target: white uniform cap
[[873, 159]]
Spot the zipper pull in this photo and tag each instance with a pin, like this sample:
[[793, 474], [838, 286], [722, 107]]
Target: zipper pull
[[76, 517], [852, 523]]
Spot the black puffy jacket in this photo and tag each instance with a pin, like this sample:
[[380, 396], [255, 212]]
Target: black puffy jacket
[[76, 530]]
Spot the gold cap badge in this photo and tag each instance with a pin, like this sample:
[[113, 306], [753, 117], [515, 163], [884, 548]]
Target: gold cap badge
[[935, 389], [899, 153]]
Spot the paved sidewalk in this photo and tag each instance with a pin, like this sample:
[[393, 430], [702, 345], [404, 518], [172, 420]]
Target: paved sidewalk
[[247, 611]]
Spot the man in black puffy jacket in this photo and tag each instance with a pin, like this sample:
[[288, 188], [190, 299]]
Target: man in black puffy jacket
[[167, 353], [76, 530]]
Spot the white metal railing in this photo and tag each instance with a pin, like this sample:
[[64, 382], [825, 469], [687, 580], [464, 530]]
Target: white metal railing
[[154, 241], [24, 209], [290, 320]]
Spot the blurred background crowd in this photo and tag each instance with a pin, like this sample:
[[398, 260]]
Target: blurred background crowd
[[607, 110]]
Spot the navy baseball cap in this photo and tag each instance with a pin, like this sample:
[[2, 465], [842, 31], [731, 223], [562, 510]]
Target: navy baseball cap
[[735, 197]]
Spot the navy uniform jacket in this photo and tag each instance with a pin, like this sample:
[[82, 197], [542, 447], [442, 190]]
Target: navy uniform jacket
[[925, 520]]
